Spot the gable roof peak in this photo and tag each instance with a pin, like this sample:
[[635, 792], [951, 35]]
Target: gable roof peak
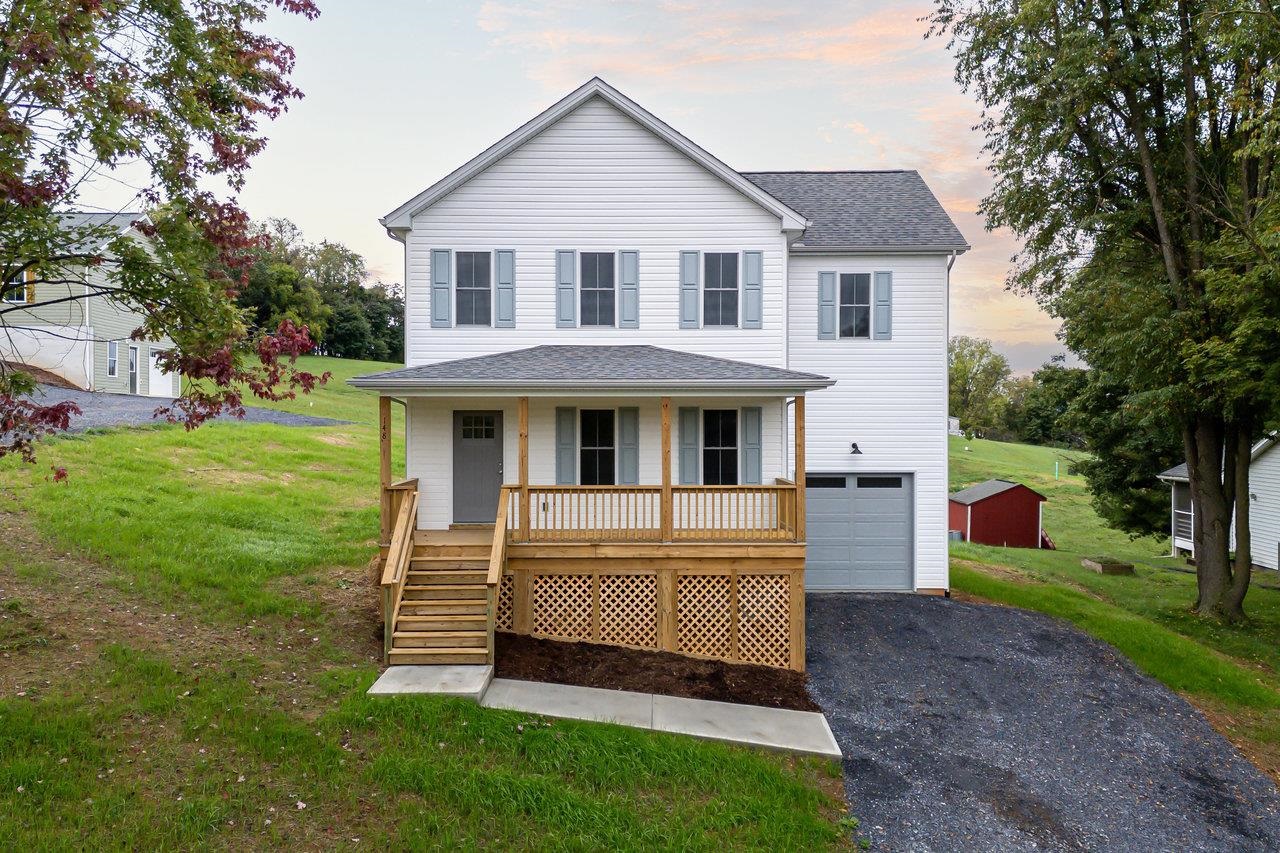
[[401, 218]]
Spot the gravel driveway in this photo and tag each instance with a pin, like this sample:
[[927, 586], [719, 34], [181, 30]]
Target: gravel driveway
[[109, 410], [976, 727]]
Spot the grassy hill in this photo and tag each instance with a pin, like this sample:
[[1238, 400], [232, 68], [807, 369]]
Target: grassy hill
[[187, 630], [1231, 672]]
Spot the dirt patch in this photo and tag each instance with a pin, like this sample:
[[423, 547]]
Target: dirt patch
[[337, 439], [39, 374], [616, 668]]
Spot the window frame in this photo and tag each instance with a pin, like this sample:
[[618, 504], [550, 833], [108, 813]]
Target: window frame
[[7, 298], [613, 289], [737, 446], [458, 287], [869, 305], [113, 359], [582, 446], [736, 290]]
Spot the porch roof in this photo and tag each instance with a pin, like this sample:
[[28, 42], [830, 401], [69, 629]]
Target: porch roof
[[593, 369]]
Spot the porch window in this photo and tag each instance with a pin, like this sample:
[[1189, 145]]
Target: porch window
[[598, 453], [113, 358], [720, 289], [720, 447], [474, 289], [855, 305], [597, 292]]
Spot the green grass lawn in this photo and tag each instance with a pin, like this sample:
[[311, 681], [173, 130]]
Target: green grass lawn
[[186, 634], [1231, 671]]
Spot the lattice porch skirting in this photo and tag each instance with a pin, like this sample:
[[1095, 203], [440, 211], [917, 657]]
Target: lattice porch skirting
[[741, 615]]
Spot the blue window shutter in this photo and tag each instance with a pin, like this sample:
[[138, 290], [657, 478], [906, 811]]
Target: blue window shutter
[[566, 445], [751, 443], [883, 320], [752, 290], [505, 310], [629, 291], [441, 288], [826, 306], [629, 447], [689, 298], [566, 289], [688, 418]]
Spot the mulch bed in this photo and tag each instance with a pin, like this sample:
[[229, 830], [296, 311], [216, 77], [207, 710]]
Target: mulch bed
[[615, 668]]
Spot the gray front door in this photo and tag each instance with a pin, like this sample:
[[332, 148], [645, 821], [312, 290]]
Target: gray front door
[[860, 532], [477, 466]]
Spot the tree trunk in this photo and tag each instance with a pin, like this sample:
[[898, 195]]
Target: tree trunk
[[1232, 605], [1212, 513]]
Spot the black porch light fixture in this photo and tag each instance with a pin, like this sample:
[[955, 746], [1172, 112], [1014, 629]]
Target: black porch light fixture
[[853, 449]]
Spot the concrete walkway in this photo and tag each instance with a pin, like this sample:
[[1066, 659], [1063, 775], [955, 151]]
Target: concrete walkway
[[751, 725]]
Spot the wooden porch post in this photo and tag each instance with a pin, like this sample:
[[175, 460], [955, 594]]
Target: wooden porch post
[[800, 527], [523, 408], [384, 467], [667, 519]]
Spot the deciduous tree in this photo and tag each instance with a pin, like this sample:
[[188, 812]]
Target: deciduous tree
[[1133, 144], [169, 98]]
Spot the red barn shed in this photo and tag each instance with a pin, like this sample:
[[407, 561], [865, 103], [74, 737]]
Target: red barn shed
[[998, 512]]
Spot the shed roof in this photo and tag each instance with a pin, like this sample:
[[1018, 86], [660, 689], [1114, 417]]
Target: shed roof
[[990, 488], [570, 368], [890, 210]]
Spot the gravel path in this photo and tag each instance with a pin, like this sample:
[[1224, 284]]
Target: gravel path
[[975, 727], [109, 410]]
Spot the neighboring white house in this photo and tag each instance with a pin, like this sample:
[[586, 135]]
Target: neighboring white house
[[85, 340], [604, 267], [1264, 506]]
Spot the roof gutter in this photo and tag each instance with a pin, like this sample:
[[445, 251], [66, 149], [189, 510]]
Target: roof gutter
[[725, 388]]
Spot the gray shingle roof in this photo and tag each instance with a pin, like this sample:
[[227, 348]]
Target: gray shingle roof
[[864, 211], [96, 228], [1177, 472], [982, 491], [557, 367]]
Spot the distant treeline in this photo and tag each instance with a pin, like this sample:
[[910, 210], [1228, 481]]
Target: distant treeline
[[324, 286]]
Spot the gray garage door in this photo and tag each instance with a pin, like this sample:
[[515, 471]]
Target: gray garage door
[[860, 531]]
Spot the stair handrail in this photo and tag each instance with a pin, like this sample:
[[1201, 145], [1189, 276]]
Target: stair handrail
[[396, 569], [497, 560]]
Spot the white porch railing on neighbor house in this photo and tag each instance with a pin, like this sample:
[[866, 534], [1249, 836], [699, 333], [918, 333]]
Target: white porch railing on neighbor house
[[1183, 525]]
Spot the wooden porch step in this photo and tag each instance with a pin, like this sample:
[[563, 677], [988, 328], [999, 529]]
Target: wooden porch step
[[434, 562], [430, 592], [444, 606], [439, 656], [443, 622], [428, 639], [457, 552], [444, 577]]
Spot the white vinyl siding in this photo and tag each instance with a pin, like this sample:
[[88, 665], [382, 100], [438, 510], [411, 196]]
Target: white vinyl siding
[[430, 427], [890, 396], [596, 181], [1264, 511]]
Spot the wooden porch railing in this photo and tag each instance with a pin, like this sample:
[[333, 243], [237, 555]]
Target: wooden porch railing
[[391, 499], [399, 554], [497, 560], [755, 513]]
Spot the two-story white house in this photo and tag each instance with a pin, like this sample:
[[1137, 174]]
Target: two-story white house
[[680, 391]]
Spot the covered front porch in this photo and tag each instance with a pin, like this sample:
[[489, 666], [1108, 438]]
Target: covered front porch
[[654, 511]]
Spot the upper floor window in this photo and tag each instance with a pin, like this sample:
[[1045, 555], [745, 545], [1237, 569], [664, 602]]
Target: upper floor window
[[596, 464], [16, 287], [720, 447], [855, 305], [720, 289], [474, 290], [597, 293]]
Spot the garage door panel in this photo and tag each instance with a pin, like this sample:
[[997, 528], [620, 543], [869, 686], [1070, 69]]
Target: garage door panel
[[860, 536]]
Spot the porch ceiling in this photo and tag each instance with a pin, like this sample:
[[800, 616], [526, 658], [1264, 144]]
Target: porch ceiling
[[593, 370]]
